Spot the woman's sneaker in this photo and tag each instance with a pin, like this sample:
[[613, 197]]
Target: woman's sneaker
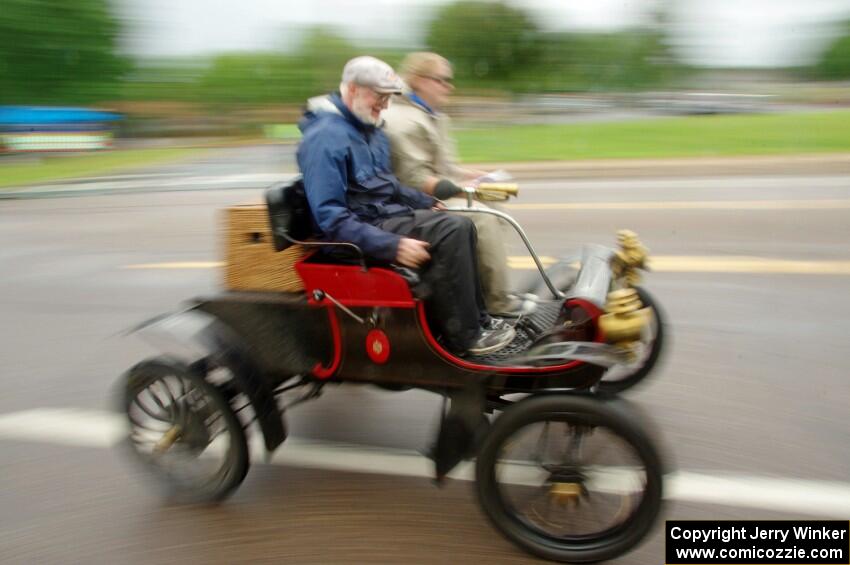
[[490, 341]]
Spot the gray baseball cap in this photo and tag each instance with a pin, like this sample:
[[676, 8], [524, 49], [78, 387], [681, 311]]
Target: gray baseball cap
[[374, 73]]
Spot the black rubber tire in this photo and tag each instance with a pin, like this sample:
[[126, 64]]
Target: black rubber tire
[[143, 375], [613, 414], [629, 380]]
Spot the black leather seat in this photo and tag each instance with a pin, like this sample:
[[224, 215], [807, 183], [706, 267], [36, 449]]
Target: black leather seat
[[292, 222], [289, 213]]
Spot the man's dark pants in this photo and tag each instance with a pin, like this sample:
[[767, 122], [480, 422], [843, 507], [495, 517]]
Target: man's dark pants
[[456, 304]]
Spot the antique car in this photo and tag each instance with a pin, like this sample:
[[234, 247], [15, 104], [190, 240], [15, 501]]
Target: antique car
[[564, 467]]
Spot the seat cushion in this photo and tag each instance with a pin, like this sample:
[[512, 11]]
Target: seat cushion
[[289, 213]]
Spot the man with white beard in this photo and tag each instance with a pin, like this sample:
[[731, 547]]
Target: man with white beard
[[354, 197]]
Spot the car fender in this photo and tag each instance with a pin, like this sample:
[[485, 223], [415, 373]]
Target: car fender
[[202, 341]]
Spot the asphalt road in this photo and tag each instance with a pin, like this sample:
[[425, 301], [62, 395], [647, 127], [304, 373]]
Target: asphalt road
[[754, 386]]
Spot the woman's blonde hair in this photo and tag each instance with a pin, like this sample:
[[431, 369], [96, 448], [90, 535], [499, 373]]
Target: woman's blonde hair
[[421, 63]]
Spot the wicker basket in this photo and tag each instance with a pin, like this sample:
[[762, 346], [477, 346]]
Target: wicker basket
[[251, 262]]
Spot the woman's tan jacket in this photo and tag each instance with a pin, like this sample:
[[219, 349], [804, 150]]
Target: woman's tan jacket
[[420, 143], [421, 147]]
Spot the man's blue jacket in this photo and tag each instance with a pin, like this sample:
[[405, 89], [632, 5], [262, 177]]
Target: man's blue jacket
[[348, 180]]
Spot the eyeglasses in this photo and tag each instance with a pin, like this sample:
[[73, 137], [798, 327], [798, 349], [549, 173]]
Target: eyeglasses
[[445, 81], [381, 97]]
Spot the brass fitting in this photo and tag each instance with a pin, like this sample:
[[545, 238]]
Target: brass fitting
[[631, 256], [168, 439], [625, 318], [509, 188], [565, 493], [496, 190]]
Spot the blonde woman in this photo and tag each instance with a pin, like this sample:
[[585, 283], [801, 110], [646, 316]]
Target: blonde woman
[[423, 157]]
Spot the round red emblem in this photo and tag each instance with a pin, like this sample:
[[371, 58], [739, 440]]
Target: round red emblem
[[377, 346]]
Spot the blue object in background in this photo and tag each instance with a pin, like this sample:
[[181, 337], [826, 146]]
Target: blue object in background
[[40, 128]]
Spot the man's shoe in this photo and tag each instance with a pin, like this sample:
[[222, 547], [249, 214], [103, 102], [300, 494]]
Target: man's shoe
[[490, 341], [496, 323]]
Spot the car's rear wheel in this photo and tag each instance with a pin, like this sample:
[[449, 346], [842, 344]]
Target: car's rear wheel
[[184, 431]]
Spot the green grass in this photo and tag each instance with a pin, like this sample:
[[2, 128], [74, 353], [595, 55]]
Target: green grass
[[284, 132], [17, 173], [697, 136]]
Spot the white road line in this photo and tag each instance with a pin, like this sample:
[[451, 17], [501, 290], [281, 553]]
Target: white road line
[[63, 426], [817, 498], [82, 428]]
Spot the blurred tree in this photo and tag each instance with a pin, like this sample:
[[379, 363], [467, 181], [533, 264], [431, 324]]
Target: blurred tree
[[487, 42], [834, 64], [633, 59], [276, 77], [492, 44], [244, 78], [322, 55], [58, 51], [168, 78]]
